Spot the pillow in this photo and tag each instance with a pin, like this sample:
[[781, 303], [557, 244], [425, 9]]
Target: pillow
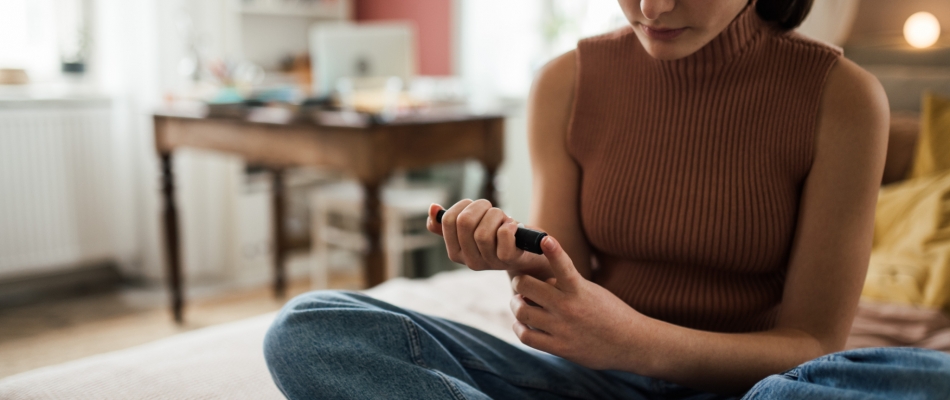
[[933, 147], [910, 260]]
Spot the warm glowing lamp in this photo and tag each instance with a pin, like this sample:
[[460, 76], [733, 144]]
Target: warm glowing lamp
[[922, 30]]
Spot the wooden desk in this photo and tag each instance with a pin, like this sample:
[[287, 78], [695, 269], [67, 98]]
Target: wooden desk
[[369, 153]]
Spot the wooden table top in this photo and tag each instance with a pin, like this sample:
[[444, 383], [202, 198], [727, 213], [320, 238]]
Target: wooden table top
[[410, 141], [335, 118]]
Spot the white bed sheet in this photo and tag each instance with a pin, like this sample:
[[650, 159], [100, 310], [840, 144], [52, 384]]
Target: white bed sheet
[[226, 361]]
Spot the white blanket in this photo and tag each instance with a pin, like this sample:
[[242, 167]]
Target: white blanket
[[227, 362]]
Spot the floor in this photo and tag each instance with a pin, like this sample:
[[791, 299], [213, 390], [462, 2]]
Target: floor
[[53, 332]]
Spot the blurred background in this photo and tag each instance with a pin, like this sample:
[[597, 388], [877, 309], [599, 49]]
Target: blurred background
[[82, 264]]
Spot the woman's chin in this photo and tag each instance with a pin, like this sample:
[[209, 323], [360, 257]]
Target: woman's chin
[[666, 50]]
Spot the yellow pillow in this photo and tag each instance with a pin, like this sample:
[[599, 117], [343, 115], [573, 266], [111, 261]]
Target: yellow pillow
[[910, 262], [933, 146]]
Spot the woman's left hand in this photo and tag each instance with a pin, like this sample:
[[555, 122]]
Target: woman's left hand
[[574, 318]]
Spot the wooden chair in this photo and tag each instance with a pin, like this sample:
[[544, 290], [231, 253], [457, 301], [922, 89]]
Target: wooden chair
[[337, 210]]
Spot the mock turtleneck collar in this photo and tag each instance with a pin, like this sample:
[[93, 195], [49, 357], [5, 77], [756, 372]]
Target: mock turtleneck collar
[[729, 44]]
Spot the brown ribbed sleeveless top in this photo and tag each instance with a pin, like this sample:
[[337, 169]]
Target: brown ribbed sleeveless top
[[692, 169]]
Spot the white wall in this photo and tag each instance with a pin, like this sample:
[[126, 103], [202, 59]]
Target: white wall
[[501, 47], [830, 20]]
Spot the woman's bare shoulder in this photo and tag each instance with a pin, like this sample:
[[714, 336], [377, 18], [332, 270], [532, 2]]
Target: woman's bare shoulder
[[854, 104], [552, 95], [555, 81]]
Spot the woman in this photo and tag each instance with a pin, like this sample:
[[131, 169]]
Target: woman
[[708, 180]]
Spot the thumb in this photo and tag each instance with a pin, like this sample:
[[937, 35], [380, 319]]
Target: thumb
[[565, 273]]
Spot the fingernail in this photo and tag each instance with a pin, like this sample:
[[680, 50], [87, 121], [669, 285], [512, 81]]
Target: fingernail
[[549, 243]]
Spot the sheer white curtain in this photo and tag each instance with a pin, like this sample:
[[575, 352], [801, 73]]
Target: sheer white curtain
[[139, 44], [125, 66]]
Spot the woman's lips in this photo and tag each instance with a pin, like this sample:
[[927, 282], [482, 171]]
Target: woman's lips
[[662, 33]]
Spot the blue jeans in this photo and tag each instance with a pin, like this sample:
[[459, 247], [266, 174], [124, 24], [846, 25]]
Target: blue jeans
[[341, 345]]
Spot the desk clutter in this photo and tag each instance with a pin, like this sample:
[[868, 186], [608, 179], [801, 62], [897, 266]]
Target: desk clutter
[[357, 102], [349, 74]]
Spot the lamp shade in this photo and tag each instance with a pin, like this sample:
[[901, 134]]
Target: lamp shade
[[922, 30]]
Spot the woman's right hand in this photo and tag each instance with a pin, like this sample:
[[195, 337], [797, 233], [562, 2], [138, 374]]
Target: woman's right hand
[[483, 237]]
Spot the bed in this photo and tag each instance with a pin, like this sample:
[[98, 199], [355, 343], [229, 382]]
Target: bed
[[226, 361]]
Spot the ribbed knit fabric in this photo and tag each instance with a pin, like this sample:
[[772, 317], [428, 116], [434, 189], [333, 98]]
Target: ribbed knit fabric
[[692, 169]]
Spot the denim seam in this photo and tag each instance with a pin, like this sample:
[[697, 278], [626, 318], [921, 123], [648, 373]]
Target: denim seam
[[532, 384], [415, 350], [452, 387], [415, 344]]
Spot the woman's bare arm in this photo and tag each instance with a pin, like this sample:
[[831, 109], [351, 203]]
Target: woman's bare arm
[[555, 176], [481, 236], [828, 261], [584, 323]]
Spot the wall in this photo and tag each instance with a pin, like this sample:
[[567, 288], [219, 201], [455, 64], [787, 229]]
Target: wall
[[883, 20], [434, 28]]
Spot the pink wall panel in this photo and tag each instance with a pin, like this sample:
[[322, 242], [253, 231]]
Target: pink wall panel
[[434, 27]]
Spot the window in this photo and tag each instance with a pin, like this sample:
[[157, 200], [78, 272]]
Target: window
[[38, 35]]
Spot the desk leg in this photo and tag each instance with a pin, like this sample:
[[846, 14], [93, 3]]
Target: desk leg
[[280, 240], [490, 189], [494, 154], [374, 269], [172, 245]]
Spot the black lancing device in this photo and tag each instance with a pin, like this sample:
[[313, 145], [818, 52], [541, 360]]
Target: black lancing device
[[525, 239]]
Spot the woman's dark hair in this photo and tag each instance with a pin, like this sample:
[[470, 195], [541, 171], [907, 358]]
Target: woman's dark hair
[[788, 14]]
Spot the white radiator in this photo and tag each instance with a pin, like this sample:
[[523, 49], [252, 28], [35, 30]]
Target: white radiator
[[57, 185]]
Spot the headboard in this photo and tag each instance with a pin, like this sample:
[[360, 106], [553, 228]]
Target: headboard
[[901, 144]]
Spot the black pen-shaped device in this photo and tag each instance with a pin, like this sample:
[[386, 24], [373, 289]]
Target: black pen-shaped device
[[525, 239]]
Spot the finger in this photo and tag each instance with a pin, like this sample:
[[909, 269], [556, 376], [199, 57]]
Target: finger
[[449, 231], [561, 265], [535, 317], [466, 223], [534, 338], [485, 234], [506, 250], [539, 292], [431, 223]]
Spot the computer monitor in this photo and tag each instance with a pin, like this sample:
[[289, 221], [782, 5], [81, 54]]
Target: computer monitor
[[367, 50]]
